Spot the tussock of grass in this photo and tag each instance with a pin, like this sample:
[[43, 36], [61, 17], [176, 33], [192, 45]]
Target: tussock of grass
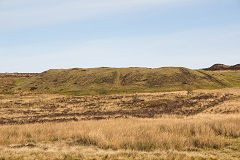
[[134, 134]]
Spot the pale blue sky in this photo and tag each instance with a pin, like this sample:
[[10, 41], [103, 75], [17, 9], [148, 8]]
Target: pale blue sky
[[37, 35]]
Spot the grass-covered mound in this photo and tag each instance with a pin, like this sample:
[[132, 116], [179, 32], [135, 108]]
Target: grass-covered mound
[[95, 81]]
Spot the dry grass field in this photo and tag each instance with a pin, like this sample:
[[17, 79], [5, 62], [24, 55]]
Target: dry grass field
[[20, 109], [198, 137], [201, 125]]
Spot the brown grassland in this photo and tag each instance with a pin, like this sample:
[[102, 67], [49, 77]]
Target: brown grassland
[[201, 125], [201, 137]]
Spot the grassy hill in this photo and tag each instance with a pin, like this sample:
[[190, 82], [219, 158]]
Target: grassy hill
[[9, 81], [168, 125], [100, 81]]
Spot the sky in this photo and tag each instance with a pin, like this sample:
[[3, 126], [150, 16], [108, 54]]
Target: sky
[[53, 34]]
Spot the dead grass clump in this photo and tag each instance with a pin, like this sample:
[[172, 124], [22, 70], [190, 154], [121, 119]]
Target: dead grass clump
[[134, 134]]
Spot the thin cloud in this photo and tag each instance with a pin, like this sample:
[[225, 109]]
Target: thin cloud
[[187, 48], [16, 14]]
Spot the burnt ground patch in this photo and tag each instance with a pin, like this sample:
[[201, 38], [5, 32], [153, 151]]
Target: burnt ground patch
[[49, 108]]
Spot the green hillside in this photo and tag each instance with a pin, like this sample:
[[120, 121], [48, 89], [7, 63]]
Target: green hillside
[[99, 81], [9, 81]]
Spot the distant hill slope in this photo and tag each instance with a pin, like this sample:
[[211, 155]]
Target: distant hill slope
[[217, 67], [97, 81], [8, 81]]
